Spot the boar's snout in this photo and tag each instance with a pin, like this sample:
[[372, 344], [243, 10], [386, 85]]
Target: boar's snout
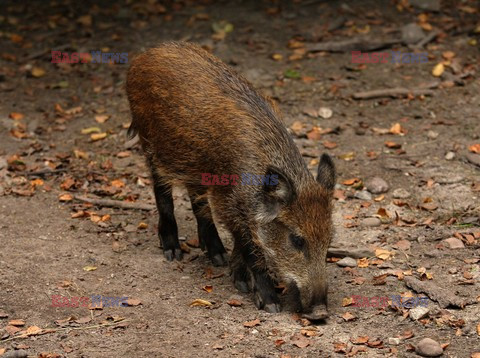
[[318, 312], [314, 304]]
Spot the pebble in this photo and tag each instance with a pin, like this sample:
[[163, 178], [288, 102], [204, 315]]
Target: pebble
[[371, 222], [325, 112], [401, 193], [418, 312], [427, 347], [473, 158], [376, 185], [393, 341], [412, 33], [347, 262], [454, 243], [429, 5], [432, 134], [450, 156], [449, 179], [363, 195]]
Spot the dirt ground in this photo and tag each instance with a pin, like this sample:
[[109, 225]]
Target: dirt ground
[[425, 147]]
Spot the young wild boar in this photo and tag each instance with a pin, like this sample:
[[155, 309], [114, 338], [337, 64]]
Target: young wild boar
[[195, 115]]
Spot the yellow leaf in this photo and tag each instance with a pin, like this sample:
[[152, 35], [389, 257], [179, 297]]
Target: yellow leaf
[[142, 226], [117, 183], [89, 268], [362, 263], [98, 136], [207, 288], [383, 254], [33, 330], [347, 301], [438, 70], [277, 57], [36, 182], [38, 72], [90, 130], [79, 154], [200, 302]]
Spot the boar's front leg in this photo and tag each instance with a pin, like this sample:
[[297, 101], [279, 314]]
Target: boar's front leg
[[265, 296], [167, 226]]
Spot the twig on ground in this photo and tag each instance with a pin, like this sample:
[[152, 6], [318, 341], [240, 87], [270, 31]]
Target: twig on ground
[[42, 172], [115, 203], [430, 37], [53, 330], [392, 92], [356, 44]]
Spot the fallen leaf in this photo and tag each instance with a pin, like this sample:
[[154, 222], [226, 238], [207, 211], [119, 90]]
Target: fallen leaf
[[347, 301], [89, 268], [17, 322], [352, 181], [11, 330], [200, 303], [33, 330], [98, 136], [397, 129], [102, 118], [362, 263], [234, 303], [91, 130], [360, 340], [309, 332], [207, 288], [16, 116], [133, 302], [347, 156], [36, 182], [339, 347], [80, 155], [118, 183], [438, 70], [329, 145], [37, 72], [124, 154], [383, 254], [300, 341], [474, 148], [67, 184], [65, 197], [392, 145], [347, 316], [279, 342], [250, 324]]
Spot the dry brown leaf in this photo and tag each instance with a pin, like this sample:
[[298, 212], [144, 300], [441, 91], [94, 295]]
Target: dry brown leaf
[[347, 301], [234, 303], [351, 181], [17, 322], [250, 324], [102, 118], [383, 254], [300, 341], [360, 340], [397, 129], [362, 263], [65, 197], [392, 145], [438, 70], [118, 183], [207, 288], [347, 316], [16, 116], [474, 148], [37, 72]]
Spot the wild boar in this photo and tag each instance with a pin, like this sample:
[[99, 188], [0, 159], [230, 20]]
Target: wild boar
[[194, 114]]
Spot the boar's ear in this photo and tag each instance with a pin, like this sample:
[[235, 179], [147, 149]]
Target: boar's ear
[[276, 192], [326, 172]]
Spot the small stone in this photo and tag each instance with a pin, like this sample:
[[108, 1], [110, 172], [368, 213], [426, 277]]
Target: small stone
[[412, 34], [449, 179], [393, 341], [130, 228], [427, 347], [347, 262], [325, 112], [429, 5], [376, 185], [450, 156], [371, 222], [473, 158], [418, 313], [363, 195], [401, 193], [432, 134], [452, 270], [454, 243]]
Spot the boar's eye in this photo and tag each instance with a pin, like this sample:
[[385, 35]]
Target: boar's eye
[[297, 241]]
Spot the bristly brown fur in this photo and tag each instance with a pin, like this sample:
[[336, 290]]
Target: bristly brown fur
[[195, 115]]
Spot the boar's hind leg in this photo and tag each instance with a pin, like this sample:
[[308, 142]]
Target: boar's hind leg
[[264, 293], [207, 232], [167, 226]]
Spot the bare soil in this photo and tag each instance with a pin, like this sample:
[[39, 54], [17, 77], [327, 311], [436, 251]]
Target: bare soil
[[45, 252]]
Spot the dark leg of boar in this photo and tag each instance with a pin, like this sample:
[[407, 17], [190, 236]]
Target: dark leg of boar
[[207, 232], [167, 225], [239, 271]]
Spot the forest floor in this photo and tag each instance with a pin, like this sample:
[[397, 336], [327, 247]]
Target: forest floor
[[414, 230]]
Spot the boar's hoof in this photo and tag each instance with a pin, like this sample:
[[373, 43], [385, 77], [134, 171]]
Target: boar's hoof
[[318, 313], [171, 254], [272, 308], [220, 260], [242, 286]]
